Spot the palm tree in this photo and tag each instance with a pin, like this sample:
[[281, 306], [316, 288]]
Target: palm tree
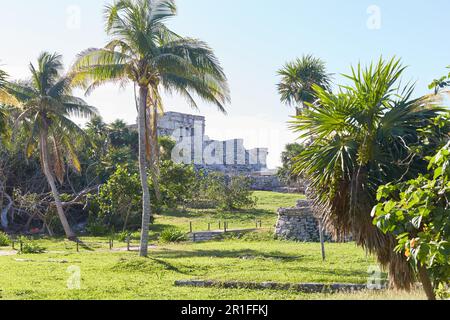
[[6, 100], [143, 51], [367, 135], [46, 105], [299, 77]]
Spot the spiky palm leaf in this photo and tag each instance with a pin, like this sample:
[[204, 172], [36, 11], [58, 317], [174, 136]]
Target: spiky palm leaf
[[365, 136], [46, 102], [298, 79], [143, 51], [6, 102]]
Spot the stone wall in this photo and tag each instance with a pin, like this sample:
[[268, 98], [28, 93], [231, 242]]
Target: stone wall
[[298, 224], [266, 183]]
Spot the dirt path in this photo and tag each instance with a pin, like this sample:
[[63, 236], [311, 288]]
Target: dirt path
[[7, 253]]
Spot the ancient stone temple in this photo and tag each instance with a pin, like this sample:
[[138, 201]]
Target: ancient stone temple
[[194, 147]]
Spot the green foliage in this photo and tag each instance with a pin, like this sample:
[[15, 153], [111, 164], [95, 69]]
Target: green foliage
[[31, 246], [176, 182], [229, 193], [4, 240], [96, 228], [417, 212], [166, 145], [287, 172], [298, 79], [119, 201], [366, 135], [123, 236], [439, 84], [172, 235]]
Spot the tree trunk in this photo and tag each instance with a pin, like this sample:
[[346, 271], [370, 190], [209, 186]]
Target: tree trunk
[[426, 282], [146, 209], [51, 181]]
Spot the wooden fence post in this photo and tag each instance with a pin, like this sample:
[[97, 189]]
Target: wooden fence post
[[322, 239], [190, 226]]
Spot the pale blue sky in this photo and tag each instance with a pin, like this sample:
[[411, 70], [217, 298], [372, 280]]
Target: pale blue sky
[[252, 38]]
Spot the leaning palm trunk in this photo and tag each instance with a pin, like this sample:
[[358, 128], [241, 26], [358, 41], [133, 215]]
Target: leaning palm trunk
[[51, 181], [146, 209]]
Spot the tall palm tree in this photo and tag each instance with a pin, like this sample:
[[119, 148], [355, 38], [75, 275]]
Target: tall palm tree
[[6, 100], [46, 105], [367, 135], [298, 78], [143, 51]]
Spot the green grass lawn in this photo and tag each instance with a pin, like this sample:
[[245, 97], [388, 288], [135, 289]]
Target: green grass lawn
[[119, 274], [122, 275], [266, 210]]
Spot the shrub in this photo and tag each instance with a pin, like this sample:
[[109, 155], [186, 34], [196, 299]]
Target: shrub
[[416, 212], [4, 240], [122, 236], [118, 203], [31, 247], [229, 193], [177, 184], [97, 229], [172, 235]]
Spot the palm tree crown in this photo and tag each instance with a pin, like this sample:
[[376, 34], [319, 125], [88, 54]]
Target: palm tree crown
[[145, 52], [367, 135], [46, 104], [299, 77]]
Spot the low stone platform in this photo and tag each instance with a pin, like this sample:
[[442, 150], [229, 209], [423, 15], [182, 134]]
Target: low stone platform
[[216, 234], [298, 223], [300, 287]]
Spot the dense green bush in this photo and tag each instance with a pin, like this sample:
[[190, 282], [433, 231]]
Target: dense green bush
[[118, 203], [172, 235], [4, 240], [228, 192], [177, 183], [416, 212], [119, 200], [96, 228], [30, 246]]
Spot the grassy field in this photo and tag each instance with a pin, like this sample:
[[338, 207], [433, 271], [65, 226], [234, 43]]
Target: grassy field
[[266, 210], [119, 274]]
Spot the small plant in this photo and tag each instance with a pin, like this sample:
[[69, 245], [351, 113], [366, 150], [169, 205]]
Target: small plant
[[123, 236], [4, 240], [30, 247], [172, 235], [97, 229]]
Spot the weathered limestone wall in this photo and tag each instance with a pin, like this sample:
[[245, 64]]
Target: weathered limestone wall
[[298, 224], [226, 156], [266, 183]]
